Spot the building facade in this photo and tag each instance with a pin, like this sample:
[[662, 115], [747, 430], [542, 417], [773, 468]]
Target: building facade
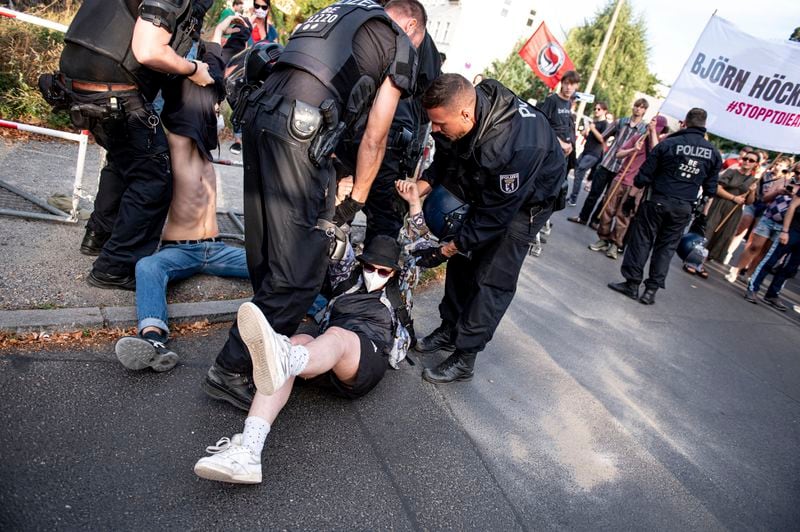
[[473, 33]]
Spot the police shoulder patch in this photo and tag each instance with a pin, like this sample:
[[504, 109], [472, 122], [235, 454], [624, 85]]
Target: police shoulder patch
[[509, 183]]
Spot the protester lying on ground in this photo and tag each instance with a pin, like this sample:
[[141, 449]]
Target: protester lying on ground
[[189, 242], [623, 197], [348, 358], [787, 244], [774, 197]]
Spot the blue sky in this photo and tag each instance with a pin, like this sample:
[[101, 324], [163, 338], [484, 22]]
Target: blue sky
[[673, 26]]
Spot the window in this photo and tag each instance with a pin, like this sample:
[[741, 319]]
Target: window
[[446, 31]]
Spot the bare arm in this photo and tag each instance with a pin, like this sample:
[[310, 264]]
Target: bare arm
[[373, 144], [150, 46], [787, 220]]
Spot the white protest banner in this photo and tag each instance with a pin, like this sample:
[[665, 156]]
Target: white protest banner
[[749, 86]]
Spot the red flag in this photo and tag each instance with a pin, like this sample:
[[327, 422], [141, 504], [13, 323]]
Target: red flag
[[545, 55]]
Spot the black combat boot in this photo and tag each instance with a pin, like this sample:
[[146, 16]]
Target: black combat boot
[[629, 288], [441, 339], [93, 242], [236, 388], [649, 296], [457, 367]]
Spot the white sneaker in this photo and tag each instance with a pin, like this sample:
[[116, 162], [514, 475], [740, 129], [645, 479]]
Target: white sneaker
[[269, 350], [535, 250], [230, 461], [731, 275], [546, 228]]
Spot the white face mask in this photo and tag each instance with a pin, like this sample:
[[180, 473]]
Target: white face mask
[[373, 281], [260, 13]]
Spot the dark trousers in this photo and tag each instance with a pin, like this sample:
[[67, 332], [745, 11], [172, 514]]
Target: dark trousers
[[786, 271], [601, 177], [385, 209], [657, 227], [135, 187], [479, 289], [284, 196]]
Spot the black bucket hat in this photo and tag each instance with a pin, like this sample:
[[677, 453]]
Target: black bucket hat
[[382, 251]]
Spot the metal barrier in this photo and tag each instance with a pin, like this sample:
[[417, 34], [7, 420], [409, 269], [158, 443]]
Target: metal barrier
[[77, 187]]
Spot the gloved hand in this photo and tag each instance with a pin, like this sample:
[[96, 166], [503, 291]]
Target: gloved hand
[[346, 211], [628, 206], [429, 257]]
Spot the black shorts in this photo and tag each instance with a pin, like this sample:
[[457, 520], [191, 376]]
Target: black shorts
[[371, 367]]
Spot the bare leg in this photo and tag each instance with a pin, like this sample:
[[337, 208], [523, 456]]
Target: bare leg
[[337, 349], [754, 247], [738, 235]]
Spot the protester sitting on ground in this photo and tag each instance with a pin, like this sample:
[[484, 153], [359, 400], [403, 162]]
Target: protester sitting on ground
[[363, 331], [189, 241], [787, 244], [771, 188], [623, 196], [736, 188]]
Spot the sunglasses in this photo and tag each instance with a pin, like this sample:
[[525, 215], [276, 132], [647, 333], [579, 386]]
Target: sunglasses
[[261, 6], [370, 268], [749, 160]]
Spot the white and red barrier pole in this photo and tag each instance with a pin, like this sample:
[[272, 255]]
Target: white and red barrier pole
[[24, 17], [82, 140]]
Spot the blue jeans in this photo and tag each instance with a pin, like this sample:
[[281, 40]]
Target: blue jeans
[[784, 272], [175, 262], [585, 163]]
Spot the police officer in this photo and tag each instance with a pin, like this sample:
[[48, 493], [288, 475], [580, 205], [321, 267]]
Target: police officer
[[116, 56], [674, 171], [384, 208], [508, 163], [346, 67]]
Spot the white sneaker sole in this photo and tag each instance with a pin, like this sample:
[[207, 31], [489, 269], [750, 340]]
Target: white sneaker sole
[[259, 337], [137, 354], [211, 471]]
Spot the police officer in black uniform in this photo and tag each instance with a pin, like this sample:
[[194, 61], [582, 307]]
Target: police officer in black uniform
[[509, 165], [674, 172], [116, 57], [384, 209], [345, 68]]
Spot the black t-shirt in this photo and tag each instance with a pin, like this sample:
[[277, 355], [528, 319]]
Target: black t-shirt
[[374, 48], [795, 225], [559, 114], [189, 108], [592, 144]]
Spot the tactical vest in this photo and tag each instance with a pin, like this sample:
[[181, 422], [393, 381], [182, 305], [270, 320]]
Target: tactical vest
[[106, 28], [323, 47]]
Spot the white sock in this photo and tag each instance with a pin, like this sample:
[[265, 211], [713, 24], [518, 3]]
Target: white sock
[[255, 434], [298, 359]]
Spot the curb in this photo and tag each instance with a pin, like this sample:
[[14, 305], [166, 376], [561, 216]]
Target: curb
[[71, 319]]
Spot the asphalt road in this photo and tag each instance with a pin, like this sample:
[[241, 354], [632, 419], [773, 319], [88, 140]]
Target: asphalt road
[[588, 411]]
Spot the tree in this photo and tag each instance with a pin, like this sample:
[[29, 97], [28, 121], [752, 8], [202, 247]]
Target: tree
[[515, 74], [795, 34], [624, 68]]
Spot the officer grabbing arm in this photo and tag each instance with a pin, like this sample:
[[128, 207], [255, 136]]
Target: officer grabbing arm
[[674, 172], [114, 62]]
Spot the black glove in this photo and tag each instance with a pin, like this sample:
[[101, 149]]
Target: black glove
[[628, 206], [429, 257], [346, 211]]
